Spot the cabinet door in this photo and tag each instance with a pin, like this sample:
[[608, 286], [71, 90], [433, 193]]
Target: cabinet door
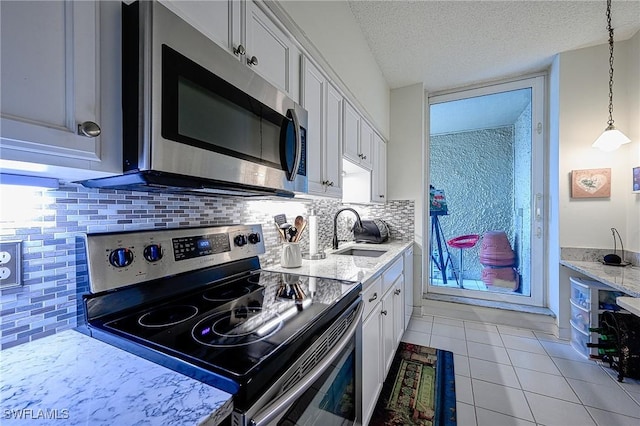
[[274, 52], [366, 145], [372, 378], [379, 172], [49, 57], [312, 96], [398, 309], [351, 133], [211, 18], [333, 143], [408, 286], [388, 331]]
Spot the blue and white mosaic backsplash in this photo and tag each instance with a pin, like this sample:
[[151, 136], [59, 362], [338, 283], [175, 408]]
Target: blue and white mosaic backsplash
[[53, 272]]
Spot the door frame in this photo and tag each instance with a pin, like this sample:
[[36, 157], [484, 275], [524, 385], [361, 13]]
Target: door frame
[[538, 202]]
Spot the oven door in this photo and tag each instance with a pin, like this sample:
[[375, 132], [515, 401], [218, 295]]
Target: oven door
[[330, 394]]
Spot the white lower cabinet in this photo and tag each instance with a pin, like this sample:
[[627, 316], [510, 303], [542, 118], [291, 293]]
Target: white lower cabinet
[[382, 329], [372, 378]]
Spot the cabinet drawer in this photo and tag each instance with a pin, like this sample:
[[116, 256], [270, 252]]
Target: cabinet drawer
[[579, 341], [580, 291], [580, 317], [391, 275], [372, 296]]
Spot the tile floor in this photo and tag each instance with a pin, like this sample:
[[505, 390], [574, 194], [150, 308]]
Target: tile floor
[[509, 376]]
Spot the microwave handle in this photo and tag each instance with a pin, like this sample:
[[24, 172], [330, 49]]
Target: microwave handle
[[296, 162]]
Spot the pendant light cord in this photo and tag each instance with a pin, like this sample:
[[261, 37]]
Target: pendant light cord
[[610, 29]]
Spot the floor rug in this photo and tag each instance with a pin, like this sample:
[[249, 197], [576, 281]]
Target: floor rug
[[419, 389]]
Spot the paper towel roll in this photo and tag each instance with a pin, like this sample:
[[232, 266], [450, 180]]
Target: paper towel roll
[[313, 234]]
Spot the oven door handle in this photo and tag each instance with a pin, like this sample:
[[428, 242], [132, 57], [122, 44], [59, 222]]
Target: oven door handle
[[276, 407]]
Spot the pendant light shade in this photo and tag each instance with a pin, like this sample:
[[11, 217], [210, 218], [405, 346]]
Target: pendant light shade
[[611, 138]]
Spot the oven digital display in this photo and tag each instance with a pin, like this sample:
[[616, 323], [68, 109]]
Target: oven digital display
[[192, 247]]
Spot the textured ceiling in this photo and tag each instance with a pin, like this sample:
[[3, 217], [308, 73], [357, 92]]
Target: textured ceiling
[[450, 44]]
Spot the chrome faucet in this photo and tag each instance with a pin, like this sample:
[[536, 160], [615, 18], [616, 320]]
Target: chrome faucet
[[335, 224]]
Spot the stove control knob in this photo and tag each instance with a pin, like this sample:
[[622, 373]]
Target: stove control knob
[[240, 240], [254, 238], [121, 257], [152, 253]]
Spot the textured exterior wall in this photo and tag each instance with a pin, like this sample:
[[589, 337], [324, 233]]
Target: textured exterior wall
[[475, 169], [53, 270], [522, 197]]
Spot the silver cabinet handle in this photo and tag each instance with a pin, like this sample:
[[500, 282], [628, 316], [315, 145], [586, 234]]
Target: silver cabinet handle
[[381, 196], [397, 292], [384, 312], [253, 61], [89, 129], [374, 297], [239, 51]]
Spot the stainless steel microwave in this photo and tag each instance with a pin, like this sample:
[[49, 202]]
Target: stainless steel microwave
[[196, 119]]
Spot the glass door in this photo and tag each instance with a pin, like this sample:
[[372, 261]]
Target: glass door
[[486, 175]]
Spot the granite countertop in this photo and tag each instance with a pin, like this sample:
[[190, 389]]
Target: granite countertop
[[350, 268], [72, 379], [626, 279]]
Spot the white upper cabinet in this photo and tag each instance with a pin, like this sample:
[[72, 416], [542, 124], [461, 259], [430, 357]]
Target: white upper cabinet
[[50, 79], [246, 30], [324, 105], [333, 142], [366, 145], [379, 171], [269, 50], [358, 138], [219, 20], [351, 133]]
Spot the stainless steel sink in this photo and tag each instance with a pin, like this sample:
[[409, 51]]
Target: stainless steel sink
[[361, 252]]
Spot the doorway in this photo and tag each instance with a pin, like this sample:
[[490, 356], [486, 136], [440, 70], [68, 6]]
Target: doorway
[[486, 175]]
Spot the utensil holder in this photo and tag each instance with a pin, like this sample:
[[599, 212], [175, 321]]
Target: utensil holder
[[291, 256]]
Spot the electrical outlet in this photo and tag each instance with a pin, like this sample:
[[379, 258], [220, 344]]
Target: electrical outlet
[[5, 273], [5, 257], [10, 263]]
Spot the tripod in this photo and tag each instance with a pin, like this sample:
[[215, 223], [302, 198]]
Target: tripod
[[440, 262]]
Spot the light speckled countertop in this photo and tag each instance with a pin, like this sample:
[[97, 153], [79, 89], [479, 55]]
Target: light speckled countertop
[[350, 268], [626, 279], [72, 379]]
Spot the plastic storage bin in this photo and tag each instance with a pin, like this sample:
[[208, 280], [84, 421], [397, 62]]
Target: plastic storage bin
[[581, 292], [580, 317], [579, 340], [588, 300]]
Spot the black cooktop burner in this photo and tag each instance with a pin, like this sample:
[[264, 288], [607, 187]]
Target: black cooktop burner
[[227, 293], [237, 327], [168, 315]]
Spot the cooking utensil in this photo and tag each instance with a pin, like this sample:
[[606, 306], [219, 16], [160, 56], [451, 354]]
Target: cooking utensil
[[280, 220], [301, 230], [292, 231], [281, 232]]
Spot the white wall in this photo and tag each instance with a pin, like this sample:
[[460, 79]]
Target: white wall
[[583, 113], [332, 29], [633, 110], [405, 162]]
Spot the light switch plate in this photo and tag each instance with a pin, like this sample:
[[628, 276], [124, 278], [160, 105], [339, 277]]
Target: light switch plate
[[10, 264]]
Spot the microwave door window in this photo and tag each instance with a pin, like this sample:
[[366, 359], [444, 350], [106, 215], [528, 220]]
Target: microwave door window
[[210, 121]]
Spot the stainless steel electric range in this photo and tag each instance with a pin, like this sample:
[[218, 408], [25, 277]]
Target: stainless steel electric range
[[196, 301]]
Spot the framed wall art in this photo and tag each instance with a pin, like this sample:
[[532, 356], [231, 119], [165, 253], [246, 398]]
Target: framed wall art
[[591, 183], [636, 180]]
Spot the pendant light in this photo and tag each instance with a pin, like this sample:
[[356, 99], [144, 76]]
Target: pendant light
[[611, 138]]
